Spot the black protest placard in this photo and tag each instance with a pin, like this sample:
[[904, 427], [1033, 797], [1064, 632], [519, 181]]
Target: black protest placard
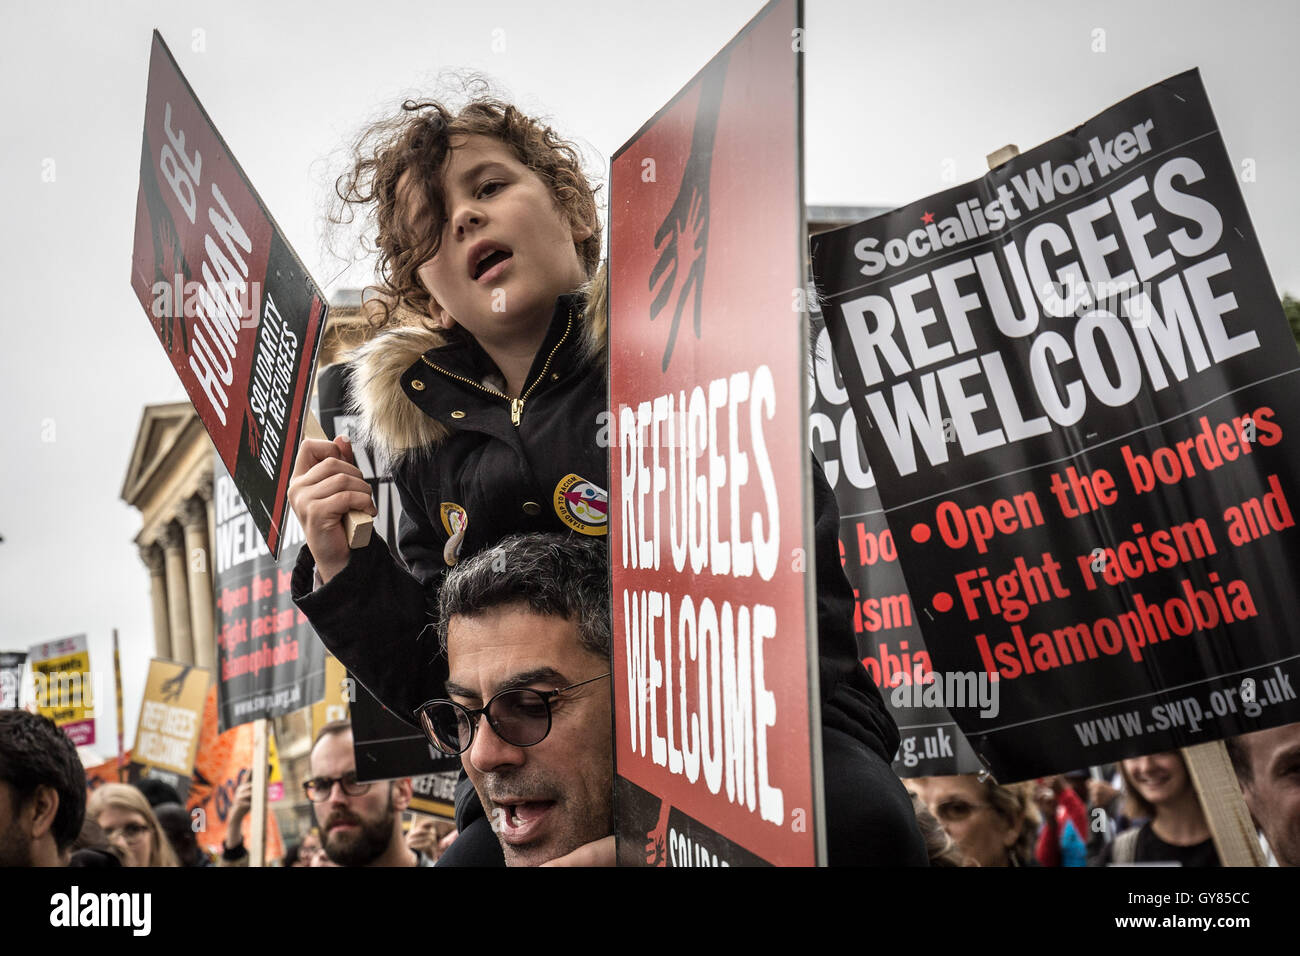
[[884, 619], [1072, 378], [385, 745], [388, 747], [270, 661], [435, 794]]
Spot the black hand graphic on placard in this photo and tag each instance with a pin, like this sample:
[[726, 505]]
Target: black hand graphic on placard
[[684, 236], [682, 239], [172, 687]]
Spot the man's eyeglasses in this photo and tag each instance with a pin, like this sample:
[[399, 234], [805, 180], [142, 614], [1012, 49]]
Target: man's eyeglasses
[[318, 789], [520, 717]]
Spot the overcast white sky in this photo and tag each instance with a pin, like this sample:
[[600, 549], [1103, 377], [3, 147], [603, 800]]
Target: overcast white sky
[[893, 90]]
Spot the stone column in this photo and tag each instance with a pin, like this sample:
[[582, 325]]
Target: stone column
[[204, 491], [198, 558], [178, 596], [152, 556]]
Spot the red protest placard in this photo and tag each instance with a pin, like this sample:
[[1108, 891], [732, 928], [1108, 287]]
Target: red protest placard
[[715, 743], [232, 305]]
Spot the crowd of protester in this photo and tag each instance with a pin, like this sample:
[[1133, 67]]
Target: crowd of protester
[[457, 200], [544, 783], [1142, 810]]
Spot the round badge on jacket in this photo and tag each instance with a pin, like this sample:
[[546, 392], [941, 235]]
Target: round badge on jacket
[[454, 517], [582, 505]]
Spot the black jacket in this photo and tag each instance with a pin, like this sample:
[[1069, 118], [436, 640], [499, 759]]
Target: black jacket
[[461, 459], [457, 457], [468, 457]]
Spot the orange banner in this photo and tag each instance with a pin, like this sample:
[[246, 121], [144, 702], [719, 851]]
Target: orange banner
[[105, 772], [224, 761]]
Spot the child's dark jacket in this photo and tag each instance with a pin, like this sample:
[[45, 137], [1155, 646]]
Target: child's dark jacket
[[456, 454]]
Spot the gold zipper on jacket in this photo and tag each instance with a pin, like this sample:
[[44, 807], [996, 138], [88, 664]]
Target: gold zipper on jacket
[[516, 404]]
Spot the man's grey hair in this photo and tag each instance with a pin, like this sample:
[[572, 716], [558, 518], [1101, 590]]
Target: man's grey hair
[[558, 575]]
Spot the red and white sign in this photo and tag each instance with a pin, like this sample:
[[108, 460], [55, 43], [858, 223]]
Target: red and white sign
[[232, 305], [714, 654]]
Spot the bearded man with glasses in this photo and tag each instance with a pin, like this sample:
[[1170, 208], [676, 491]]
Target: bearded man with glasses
[[360, 823], [526, 629]]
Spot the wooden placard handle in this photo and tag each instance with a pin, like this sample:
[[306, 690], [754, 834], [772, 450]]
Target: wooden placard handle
[[1225, 808], [1000, 156], [257, 831], [357, 524]]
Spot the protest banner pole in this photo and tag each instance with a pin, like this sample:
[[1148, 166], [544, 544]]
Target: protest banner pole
[[1225, 809], [357, 523], [257, 837], [121, 728]]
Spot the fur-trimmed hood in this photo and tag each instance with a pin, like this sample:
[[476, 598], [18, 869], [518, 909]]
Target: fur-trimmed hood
[[388, 421]]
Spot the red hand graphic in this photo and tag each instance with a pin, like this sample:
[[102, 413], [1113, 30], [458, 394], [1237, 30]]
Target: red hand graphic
[[656, 852]]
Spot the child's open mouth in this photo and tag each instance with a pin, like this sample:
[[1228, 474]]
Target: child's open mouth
[[490, 265]]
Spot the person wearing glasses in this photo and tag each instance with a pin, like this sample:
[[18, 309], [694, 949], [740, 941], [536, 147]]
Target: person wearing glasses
[[128, 821], [992, 824], [360, 823], [526, 628]]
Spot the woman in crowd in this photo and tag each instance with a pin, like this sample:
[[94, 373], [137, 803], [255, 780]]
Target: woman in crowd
[[1158, 788], [992, 824], [124, 815], [939, 846], [310, 848]]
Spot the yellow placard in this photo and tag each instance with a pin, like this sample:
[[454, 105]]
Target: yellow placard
[[63, 686], [171, 717], [334, 705], [274, 781]]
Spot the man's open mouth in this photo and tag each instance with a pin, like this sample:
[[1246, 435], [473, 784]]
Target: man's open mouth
[[520, 822]]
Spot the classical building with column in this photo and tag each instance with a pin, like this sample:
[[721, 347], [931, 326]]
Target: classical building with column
[[169, 481]]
